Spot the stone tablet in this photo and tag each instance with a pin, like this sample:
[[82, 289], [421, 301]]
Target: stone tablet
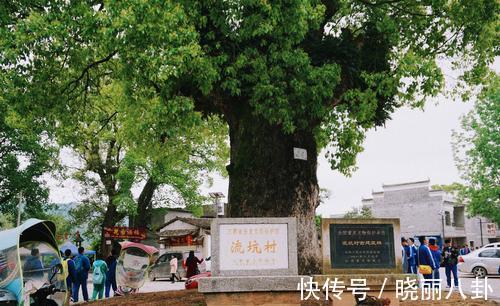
[[367, 246], [254, 246]]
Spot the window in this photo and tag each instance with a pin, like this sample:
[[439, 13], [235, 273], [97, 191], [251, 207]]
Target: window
[[489, 253], [447, 218], [163, 258]]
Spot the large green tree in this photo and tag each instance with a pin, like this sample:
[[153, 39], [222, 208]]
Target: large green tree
[[282, 74], [477, 154], [163, 154]]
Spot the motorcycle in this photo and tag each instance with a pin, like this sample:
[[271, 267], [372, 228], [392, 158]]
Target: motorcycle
[[30, 266], [132, 267]]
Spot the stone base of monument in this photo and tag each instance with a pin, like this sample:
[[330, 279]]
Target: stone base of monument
[[374, 283], [251, 290]]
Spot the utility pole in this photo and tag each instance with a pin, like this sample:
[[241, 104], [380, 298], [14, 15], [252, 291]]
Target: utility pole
[[481, 229], [442, 224], [216, 196], [20, 208]]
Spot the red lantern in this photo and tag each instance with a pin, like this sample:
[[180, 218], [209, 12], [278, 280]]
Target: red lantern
[[189, 239]]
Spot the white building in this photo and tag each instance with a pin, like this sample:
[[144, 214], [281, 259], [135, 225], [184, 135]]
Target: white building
[[423, 211], [178, 230]]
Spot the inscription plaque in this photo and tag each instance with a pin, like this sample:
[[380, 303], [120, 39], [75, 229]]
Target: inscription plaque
[[370, 246]]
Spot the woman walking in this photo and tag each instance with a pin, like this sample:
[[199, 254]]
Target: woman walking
[[192, 265]]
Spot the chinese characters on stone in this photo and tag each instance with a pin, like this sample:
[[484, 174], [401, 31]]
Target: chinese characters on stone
[[255, 246]]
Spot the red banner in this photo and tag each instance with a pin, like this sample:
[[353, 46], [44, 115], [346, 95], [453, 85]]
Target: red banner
[[181, 241], [123, 232]]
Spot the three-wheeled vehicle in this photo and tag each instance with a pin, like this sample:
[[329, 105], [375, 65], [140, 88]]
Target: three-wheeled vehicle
[[132, 267], [30, 266]]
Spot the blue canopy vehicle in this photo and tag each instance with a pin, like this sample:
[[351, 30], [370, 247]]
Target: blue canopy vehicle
[[30, 266]]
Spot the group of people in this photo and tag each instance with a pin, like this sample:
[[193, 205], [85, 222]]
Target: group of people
[[428, 258], [190, 264], [77, 271]]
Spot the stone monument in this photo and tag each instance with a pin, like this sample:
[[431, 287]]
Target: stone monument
[[362, 249], [254, 262]]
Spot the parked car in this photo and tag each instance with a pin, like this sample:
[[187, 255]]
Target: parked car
[[492, 245], [161, 268], [192, 282], [480, 262]]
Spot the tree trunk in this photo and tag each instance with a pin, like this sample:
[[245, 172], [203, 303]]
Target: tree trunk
[[111, 217], [142, 217], [266, 181]]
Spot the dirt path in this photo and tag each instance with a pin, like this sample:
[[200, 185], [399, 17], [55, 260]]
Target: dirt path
[[454, 300], [178, 298]]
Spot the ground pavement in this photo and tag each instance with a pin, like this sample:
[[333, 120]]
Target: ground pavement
[[465, 280], [149, 286]]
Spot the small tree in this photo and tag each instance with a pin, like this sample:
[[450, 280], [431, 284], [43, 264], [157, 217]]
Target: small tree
[[363, 212], [477, 154]]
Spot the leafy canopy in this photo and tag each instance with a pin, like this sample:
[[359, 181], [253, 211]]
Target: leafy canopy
[[68, 64], [335, 67]]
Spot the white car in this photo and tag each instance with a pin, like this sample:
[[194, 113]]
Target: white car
[[492, 245], [481, 262]]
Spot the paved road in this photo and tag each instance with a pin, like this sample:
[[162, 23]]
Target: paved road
[[467, 284], [161, 286], [148, 287]]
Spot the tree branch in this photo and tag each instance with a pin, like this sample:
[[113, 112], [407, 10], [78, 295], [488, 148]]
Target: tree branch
[[85, 71], [106, 122]]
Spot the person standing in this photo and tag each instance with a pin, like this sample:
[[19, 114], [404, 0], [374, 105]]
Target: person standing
[[70, 273], [436, 254], [404, 254], [425, 258], [99, 271], [450, 255], [111, 275], [465, 250], [192, 265], [412, 258], [173, 268], [82, 267]]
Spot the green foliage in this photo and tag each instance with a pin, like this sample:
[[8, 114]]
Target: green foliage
[[5, 222], [477, 152], [63, 225], [363, 212], [317, 222], [453, 188], [337, 68], [25, 155], [90, 216], [73, 63], [169, 146]]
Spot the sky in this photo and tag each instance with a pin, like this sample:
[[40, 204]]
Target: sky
[[414, 145]]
